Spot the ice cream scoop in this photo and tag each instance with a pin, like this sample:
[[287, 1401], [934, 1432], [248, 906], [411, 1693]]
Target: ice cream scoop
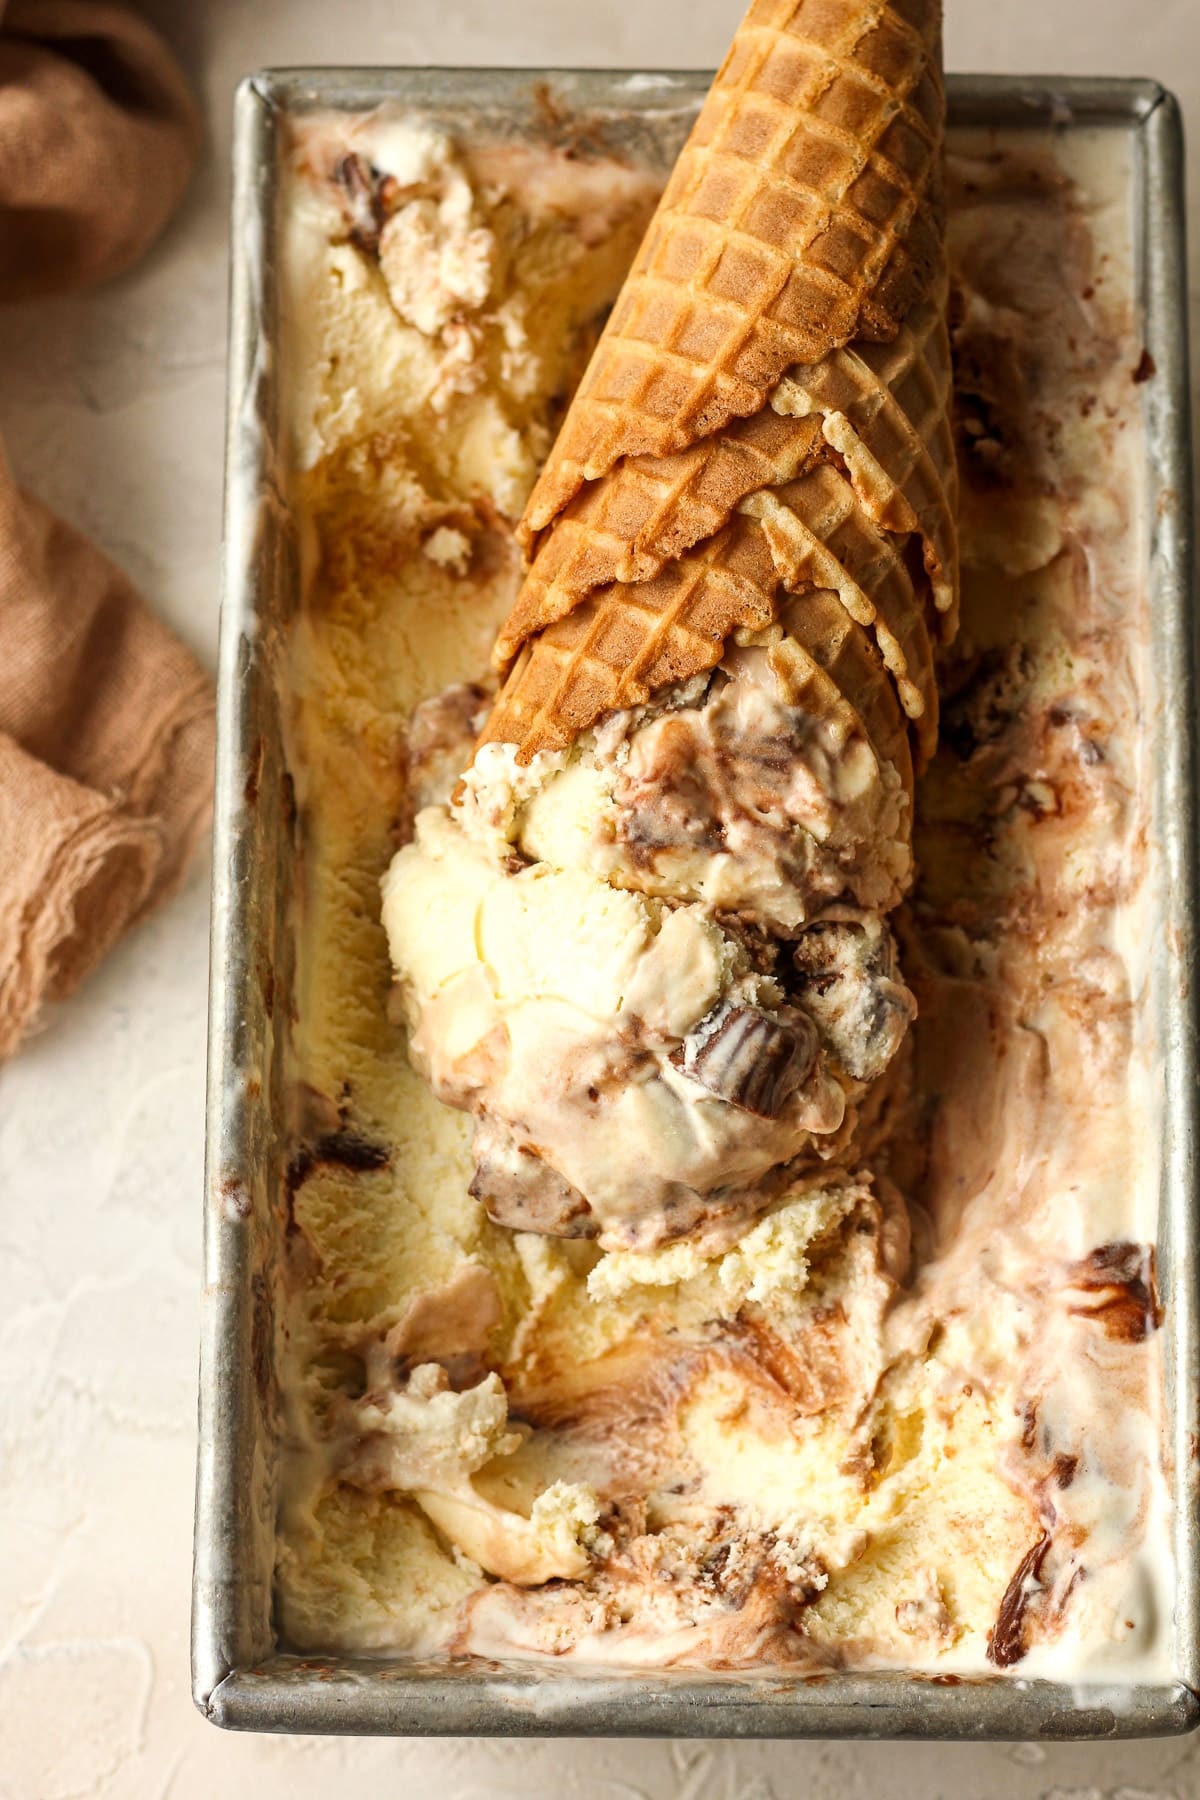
[[649, 965]]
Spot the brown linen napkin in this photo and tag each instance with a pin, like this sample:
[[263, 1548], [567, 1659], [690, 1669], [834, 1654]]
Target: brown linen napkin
[[105, 718]]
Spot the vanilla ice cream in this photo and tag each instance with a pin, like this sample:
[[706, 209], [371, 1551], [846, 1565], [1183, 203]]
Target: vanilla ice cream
[[876, 1383]]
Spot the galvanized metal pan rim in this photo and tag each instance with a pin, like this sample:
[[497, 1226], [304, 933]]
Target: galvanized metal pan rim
[[238, 1678], [972, 98], [343, 1696]]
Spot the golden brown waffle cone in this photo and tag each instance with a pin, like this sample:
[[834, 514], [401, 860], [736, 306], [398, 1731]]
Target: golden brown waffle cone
[[804, 211], [625, 642], [841, 482], [650, 509], [820, 535], [885, 410], [622, 643], [826, 657], [881, 411]]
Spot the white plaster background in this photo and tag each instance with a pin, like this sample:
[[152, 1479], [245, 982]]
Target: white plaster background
[[111, 407]]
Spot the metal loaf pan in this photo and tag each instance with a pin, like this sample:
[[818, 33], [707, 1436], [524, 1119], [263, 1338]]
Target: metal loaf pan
[[239, 1677]]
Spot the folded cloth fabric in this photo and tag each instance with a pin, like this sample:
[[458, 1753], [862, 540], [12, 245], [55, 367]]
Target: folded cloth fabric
[[106, 720]]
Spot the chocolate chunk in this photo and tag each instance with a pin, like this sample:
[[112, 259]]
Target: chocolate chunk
[[982, 693], [436, 746], [1064, 1469], [520, 1189], [1006, 1640], [352, 1150], [1119, 1280], [760, 945], [360, 187], [848, 982], [344, 1149], [751, 1058]]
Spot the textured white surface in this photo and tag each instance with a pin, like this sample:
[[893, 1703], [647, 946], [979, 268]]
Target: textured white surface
[[111, 407]]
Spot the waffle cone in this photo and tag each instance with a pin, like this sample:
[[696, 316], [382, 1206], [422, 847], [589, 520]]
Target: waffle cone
[[623, 642], [881, 413], [804, 211], [821, 635], [824, 469], [809, 539], [650, 509], [885, 412]]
